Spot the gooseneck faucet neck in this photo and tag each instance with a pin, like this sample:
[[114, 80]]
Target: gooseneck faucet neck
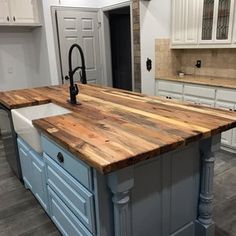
[[73, 87]]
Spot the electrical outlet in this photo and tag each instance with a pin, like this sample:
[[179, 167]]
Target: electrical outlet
[[199, 64]]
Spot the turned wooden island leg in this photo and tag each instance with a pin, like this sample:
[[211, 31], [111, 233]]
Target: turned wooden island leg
[[205, 224], [120, 183]]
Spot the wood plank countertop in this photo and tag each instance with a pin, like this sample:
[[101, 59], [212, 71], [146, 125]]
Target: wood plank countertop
[[204, 80], [113, 129]]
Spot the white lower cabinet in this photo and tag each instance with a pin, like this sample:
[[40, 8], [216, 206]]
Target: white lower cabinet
[[208, 96], [191, 99], [226, 137]]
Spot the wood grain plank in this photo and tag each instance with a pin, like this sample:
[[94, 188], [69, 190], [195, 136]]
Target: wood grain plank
[[113, 129]]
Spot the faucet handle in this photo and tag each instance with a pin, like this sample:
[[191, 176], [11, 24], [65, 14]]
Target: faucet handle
[[76, 90], [67, 77]]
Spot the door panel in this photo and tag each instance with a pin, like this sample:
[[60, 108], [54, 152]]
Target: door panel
[[4, 12], [81, 28]]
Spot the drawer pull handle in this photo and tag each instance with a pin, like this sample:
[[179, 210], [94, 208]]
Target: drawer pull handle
[[60, 157], [14, 18], [8, 18]]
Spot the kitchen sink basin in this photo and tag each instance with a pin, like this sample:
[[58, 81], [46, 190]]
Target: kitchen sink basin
[[22, 121]]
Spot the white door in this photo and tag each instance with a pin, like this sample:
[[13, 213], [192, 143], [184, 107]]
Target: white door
[[80, 27], [4, 12], [24, 11]]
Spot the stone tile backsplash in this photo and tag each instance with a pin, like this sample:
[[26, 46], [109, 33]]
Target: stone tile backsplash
[[215, 62], [167, 60]]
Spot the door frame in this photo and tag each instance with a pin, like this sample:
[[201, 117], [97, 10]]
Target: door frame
[[105, 41], [54, 10]]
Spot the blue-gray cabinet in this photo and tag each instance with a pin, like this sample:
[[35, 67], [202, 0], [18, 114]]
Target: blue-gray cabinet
[[71, 199], [33, 171], [163, 192]]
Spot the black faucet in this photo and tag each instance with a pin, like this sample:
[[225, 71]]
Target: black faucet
[[73, 86]]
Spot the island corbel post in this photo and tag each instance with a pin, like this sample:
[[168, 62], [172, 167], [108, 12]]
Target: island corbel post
[[204, 223], [120, 183]]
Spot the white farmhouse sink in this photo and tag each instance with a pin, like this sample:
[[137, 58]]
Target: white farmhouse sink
[[22, 121]]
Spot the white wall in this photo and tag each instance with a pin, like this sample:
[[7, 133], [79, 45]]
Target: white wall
[[23, 61], [105, 3], [155, 22], [23, 58]]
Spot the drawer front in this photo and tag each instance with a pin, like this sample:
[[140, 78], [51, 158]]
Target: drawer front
[[65, 220], [167, 95], [226, 95], [170, 87], [75, 167], [26, 164], [77, 198], [199, 91]]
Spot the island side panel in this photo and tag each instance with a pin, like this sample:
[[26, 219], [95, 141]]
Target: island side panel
[[159, 196]]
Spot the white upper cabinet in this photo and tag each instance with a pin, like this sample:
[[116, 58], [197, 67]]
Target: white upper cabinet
[[203, 23], [178, 21], [19, 12], [191, 21], [216, 21], [24, 11], [4, 12], [234, 26], [185, 17]]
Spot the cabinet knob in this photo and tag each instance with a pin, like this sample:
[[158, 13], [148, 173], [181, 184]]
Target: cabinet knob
[[8, 18], [14, 18], [60, 157]]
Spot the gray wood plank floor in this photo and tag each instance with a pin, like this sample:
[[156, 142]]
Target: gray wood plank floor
[[225, 194], [21, 214]]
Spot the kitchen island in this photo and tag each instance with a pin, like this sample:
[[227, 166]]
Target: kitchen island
[[150, 161]]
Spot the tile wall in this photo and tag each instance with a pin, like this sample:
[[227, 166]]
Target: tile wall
[[215, 62]]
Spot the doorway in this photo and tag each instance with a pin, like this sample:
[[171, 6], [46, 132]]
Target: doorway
[[121, 52]]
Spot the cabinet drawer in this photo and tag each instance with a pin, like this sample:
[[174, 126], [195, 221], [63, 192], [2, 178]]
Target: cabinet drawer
[[65, 220], [226, 95], [75, 167], [199, 91], [170, 87], [77, 198], [167, 95]]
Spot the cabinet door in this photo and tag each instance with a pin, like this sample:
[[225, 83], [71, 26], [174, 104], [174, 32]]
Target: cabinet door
[[206, 102], [191, 99], [226, 137], [224, 22], [216, 21], [234, 26], [4, 12], [178, 7], [26, 164], [191, 21], [39, 179], [24, 11]]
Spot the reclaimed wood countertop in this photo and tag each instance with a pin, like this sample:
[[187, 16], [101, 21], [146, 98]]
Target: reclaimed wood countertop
[[203, 80], [113, 129]]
